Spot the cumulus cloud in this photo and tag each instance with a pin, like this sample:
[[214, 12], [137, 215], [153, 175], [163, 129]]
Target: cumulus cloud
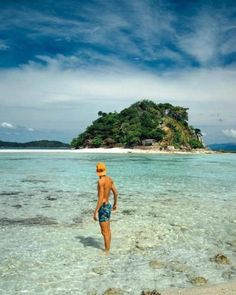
[[37, 85], [230, 132], [7, 125], [43, 94]]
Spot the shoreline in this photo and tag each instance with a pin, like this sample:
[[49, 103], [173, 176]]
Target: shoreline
[[108, 151], [227, 288]]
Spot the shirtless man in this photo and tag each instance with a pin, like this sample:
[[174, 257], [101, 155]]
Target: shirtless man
[[103, 209]]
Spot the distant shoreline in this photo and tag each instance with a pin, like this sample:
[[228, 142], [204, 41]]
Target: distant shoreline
[[108, 151]]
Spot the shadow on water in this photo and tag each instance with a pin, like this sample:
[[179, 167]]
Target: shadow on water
[[89, 242]]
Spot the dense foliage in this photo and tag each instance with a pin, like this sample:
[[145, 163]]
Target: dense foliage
[[34, 144], [162, 123]]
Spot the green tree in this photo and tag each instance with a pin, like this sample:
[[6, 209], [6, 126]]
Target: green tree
[[96, 142]]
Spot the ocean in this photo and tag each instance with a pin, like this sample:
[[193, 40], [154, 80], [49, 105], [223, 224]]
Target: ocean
[[175, 214]]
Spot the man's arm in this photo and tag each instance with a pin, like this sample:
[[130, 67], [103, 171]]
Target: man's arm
[[100, 199], [115, 194]]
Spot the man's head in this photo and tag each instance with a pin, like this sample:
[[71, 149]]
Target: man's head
[[101, 169]]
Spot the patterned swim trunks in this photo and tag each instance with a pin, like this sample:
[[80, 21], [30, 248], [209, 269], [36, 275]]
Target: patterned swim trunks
[[104, 213]]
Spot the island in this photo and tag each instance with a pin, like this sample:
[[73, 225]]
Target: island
[[143, 125], [46, 144]]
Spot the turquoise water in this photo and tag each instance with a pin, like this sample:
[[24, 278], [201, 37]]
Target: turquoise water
[[175, 213]]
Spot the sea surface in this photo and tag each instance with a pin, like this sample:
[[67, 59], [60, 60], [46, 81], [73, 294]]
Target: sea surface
[[175, 214]]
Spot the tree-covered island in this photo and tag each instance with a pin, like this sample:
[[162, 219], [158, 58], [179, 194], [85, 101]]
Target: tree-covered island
[[144, 123]]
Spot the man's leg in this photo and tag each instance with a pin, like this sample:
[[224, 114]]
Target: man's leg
[[106, 232]]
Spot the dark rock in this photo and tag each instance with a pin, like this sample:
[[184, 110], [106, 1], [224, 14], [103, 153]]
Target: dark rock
[[199, 281], [51, 198], [38, 220], [221, 259], [18, 206], [113, 291], [10, 193], [148, 292], [128, 212]]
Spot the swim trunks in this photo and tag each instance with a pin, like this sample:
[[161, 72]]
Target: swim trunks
[[104, 213]]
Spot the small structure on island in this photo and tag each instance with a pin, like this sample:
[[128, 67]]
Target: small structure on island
[[170, 148], [148, 142]]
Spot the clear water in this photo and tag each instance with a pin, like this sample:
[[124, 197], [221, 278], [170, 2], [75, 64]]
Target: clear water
[[176, 212]]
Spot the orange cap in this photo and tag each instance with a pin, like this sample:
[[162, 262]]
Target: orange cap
[[101, 169]]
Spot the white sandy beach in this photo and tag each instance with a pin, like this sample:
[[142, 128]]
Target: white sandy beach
[[105, 151]]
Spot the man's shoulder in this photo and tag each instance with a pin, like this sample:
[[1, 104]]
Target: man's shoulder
[[110, 179], [101, 180]]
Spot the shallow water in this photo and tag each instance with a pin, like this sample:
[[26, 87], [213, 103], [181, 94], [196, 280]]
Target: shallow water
[[176, 212]]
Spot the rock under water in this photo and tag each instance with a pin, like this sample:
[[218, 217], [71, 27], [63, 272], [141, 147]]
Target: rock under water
[[38, 220], [148, 292], [199, 281], [113, 291], [221, 259]]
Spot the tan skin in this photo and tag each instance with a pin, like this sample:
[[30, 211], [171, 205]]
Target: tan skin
[[105, 186]]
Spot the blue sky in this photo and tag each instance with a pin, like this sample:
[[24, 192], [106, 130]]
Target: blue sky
[[63, 61]]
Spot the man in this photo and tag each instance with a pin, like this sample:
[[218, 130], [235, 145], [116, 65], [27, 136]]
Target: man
[[103, 209]]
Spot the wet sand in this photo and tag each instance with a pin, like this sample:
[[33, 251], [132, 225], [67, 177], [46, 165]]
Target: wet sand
[[219, 289]]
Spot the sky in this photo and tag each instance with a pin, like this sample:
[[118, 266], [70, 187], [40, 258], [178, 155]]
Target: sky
[[63, 61]]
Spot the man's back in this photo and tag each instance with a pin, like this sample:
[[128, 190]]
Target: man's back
[[105, 184]]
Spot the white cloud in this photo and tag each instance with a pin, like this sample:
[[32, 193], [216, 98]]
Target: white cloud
[[7, 125], [36, 85], [40, 90], [30, 129], [230, 132]]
